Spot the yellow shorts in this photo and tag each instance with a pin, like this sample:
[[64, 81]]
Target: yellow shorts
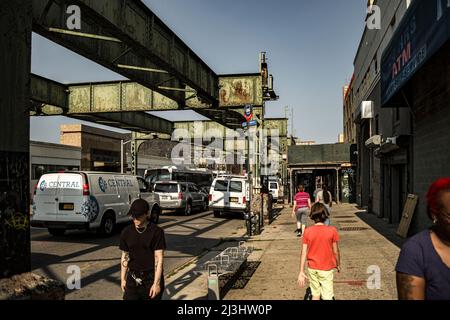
[[321, 283]]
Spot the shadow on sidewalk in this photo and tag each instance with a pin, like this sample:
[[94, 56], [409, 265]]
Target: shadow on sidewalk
[[274, 214], [197, 269], [389, 231]]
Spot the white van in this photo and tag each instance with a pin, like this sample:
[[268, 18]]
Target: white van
[[274, 189], [88, 200], [228, 194]]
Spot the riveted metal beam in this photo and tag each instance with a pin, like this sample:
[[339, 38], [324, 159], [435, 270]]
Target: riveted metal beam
[[153, 44], [50, 92], [133, 121], [106, 53], [53, 99]]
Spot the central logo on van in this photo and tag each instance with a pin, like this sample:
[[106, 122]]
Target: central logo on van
[[43, 185], [102, 184]]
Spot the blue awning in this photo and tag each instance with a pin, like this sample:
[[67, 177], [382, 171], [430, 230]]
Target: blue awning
[[423, 30]]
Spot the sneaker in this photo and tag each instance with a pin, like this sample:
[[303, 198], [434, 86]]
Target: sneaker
[[299, 234]]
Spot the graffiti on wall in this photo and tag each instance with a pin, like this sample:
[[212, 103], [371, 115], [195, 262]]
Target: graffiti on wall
[[14, 213], [348, 182]]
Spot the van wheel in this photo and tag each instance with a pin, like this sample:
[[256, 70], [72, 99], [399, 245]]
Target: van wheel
[[217, 214], [188, 209], [108, 225], [56, 232], [154, 215]]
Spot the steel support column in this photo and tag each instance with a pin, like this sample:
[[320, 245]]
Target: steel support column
[[15, 64]]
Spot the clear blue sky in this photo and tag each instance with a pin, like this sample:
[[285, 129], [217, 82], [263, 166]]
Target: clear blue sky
[[310, 45]]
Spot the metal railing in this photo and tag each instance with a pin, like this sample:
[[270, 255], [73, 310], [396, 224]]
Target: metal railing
[[227, 263]]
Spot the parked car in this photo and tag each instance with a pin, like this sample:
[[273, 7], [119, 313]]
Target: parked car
[[180, 196], [229, 194], [274, 190], [88, 200]]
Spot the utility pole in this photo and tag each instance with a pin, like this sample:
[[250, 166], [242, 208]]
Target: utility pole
[[122, 144], [286, 108], [292, 122]]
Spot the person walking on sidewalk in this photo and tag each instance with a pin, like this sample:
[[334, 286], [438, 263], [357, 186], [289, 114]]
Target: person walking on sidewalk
[[302, 205], [318, 189], [423, 266], [324, 196], [142, 244], [320, 249]]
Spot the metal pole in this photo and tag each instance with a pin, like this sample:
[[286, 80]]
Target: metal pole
[[337, 186], [121, 156], [249, 182], [292, 122], [262, 136]]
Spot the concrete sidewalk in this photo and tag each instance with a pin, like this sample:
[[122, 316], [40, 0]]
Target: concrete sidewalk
[[277, 255]]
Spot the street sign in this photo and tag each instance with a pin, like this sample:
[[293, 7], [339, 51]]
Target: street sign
[[250, 123], [248, 112]]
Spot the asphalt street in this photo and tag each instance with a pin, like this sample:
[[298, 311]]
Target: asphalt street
[[99, 258]]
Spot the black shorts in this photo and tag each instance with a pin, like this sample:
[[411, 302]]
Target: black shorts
[[133, 291]]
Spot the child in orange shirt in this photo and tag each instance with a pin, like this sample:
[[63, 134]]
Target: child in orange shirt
[[320, 248]]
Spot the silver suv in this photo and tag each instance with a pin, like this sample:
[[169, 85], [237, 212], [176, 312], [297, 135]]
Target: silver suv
[[180, 196]]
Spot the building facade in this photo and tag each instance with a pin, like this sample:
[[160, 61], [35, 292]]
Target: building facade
[[399, 98], [349, 125], [330, 164], [101, 149]]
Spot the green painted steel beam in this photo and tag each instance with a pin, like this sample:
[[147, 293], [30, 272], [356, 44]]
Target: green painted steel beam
[[145, 42], [133, 121], [51, 98], [50, 92]]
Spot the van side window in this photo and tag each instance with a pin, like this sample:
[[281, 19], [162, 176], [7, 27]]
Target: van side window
[[221, 185], [143, 186], [235, 186]]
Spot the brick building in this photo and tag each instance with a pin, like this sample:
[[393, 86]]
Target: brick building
[[100, 149]]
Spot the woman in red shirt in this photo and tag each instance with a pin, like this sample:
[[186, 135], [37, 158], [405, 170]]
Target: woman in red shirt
[[302, 205]]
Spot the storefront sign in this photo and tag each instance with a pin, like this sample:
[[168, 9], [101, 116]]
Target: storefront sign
[[422, 31]]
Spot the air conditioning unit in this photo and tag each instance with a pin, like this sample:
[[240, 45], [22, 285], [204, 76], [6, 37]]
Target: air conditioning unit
[[367, 109], [389, 145], [391, 140], [373, 141]]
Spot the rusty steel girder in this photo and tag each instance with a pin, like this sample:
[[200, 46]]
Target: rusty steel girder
[[52, 98], [137, 37]]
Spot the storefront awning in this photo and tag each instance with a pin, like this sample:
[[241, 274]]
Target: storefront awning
[[423, 30]]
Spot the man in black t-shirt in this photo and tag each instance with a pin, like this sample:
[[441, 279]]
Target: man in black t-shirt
[[142, 245]]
